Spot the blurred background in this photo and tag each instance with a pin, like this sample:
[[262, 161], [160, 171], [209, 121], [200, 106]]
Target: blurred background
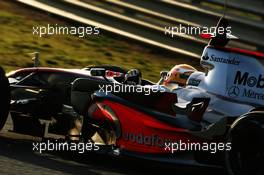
[[132, 32]]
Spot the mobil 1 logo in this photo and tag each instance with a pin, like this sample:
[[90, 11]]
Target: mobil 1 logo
[[246, 79], [252, 86]]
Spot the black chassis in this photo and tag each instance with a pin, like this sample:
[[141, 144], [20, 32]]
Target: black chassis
[[42, 94]]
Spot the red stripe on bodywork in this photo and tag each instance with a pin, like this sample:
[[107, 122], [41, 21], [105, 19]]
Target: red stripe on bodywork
[[240, 51]]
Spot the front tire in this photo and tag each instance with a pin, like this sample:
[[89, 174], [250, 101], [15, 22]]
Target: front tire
[[4, 98], [247, 138]]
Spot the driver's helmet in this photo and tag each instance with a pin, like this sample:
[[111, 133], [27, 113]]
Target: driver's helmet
[[133, 77], [178, 75]]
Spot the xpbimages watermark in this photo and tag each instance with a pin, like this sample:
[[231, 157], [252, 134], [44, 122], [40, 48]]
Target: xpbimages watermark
[[80, 31], [196, 30], [117, 88], [80, 147], [212, 147]]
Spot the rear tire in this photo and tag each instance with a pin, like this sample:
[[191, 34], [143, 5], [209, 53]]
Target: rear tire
[[247, 138], [4, 98]]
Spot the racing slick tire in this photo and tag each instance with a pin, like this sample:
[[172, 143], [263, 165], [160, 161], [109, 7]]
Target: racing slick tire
[[247, 138], [4, 98]]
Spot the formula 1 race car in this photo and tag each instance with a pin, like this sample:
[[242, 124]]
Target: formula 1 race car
[[41, 98], [39, 95], [216, 120]]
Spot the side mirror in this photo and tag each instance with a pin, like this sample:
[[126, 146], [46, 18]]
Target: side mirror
[[97, 72], [163, 74]]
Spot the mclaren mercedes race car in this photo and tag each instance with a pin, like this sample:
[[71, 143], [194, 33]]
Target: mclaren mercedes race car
[[39, 98], [217, 119], [39, 95], [212, 118]]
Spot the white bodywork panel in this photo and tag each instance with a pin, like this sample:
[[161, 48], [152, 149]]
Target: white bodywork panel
[[234, 83]]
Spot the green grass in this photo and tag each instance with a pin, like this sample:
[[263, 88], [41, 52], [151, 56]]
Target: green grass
[[67, 51]]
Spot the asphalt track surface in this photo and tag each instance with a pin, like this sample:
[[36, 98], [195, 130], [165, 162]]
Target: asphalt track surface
[[17, 157]]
